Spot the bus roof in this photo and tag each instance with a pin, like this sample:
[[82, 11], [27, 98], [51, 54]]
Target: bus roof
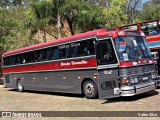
[[58, 41], [99, 32]]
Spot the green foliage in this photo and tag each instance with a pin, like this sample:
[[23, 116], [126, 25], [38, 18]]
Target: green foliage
[[90, 17], [7, 30], [12, 36], [115, 13], [151, 12], [20, 20]]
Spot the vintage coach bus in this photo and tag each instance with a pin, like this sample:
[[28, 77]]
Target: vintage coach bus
[[151, 30], [97, 63]]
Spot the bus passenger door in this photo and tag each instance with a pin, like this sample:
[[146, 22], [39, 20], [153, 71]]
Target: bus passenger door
[[107, 63]]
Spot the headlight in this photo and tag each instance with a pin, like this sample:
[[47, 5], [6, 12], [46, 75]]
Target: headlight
[[125, 81], [153, 75], [134, 80]]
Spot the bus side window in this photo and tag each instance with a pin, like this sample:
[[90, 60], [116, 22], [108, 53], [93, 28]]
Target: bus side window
[[37, 55], [7, 61], [74, 51], [28, 57], [12, 60], [22, 59], [83, 48], [16, 59], [67, 50], [45, 54], [55, 53], [62, 53], [91, 47]]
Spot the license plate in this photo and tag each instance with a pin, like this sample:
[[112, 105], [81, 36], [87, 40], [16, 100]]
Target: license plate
[[145, 78]]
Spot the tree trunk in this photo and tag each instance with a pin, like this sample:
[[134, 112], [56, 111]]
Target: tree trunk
[[59, 25], [70, 26], [44, 35]]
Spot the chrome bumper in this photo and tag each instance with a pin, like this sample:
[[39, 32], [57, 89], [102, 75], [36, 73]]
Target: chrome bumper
[[137, 89], [158, 81]]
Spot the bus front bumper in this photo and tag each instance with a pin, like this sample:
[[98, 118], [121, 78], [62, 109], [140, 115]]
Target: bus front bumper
[[137, 89], [158, 81]]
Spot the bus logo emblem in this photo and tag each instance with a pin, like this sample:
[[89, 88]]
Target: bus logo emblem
[[108, 72]]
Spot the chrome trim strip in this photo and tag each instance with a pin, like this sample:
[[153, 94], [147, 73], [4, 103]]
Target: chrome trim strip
[[134, 90], [107, 66], [137, 74]]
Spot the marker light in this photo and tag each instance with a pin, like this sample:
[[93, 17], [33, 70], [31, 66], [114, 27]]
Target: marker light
[[134, 80], [153, 75], [125, 81]]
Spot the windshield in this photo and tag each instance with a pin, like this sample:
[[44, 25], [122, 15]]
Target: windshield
[[131, 48]]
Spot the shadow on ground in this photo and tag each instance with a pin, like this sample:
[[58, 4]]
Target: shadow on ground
[[51, 93], [111, 100], [132, 98]]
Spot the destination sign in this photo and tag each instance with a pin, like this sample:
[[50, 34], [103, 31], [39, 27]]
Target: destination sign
[[132, 33]]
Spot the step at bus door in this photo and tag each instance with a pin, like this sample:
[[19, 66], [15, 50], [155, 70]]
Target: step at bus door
[[108, 85]]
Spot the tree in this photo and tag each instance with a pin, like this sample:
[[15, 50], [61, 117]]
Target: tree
[[115, 13], [69, 11], [90, 17], [39, 16], [151, 10], [133, 8]]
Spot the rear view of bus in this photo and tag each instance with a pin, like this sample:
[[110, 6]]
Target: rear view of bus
[[132, 64]]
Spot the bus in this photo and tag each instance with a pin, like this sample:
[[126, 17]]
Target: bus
[[98, 64], [152, 31]]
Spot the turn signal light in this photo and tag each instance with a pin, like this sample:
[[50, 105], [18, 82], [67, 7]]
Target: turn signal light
[[125, 81]]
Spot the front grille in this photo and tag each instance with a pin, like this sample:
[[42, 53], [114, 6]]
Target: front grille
[[140, 72], [136, 70]]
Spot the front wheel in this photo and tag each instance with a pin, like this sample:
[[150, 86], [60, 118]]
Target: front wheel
[[90, 89], [20, 86]]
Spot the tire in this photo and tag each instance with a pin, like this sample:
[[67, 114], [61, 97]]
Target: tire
[[20, 86], [90, 90]]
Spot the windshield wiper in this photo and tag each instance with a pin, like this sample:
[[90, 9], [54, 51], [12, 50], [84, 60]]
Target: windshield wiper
[[144, 51]]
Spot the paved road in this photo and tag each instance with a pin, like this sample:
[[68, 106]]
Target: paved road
[[11, 100]]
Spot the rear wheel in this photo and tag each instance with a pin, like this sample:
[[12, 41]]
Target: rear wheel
[[90, 89], [20, 86]]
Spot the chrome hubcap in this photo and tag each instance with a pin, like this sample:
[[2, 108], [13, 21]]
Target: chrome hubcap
[[20, 86], [89, 88]]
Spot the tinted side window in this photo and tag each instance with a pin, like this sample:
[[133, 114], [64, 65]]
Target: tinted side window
[[16, 59], [75, 49], [7, 61], [37, 55], [55, 53], [27, 57], [45, 54], [83, 48]]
